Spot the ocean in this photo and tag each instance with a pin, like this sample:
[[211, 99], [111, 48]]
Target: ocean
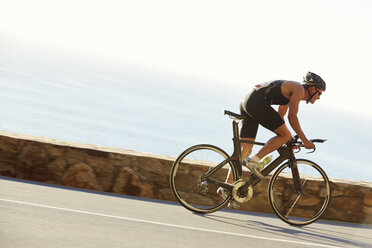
[[112, 104]]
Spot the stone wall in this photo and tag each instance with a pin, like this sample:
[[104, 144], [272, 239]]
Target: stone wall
[[139, 174]]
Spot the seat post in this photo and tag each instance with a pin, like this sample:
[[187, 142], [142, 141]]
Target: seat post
[[235, 129], [236, 141]]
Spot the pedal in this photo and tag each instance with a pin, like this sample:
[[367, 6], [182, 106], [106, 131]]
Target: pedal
[[233, 204]]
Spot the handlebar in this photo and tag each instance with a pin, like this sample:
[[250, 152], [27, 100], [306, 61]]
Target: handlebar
[[298, 144]]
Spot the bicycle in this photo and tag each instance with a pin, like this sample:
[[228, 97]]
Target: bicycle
[[299, 190]]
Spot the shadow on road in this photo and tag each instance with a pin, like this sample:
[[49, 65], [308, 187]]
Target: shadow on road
[[323, 232]]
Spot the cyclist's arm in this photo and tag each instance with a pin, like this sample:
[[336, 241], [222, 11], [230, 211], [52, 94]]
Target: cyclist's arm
[[282, 110], [297, 95]]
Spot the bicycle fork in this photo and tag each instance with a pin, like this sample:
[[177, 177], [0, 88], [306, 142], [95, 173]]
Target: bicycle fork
[[296, 177]]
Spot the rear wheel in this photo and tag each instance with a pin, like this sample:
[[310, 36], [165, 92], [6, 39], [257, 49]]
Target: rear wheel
[[188, 178], [299, 207]]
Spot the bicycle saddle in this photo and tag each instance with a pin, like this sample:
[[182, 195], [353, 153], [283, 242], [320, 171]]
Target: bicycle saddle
[[234, 115]]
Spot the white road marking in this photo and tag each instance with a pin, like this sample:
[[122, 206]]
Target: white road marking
[[168, 225]]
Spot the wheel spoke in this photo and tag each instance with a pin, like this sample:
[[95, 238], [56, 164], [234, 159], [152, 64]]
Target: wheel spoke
[[304, 206], [290, 210], [188, 178]]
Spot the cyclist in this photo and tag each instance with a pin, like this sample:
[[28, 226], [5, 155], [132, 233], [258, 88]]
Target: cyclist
[[256, 108]]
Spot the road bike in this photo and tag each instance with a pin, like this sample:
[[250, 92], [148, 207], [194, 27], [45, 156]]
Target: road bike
[[299, 190]]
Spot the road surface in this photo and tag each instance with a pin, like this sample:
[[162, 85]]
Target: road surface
[[38, 215]]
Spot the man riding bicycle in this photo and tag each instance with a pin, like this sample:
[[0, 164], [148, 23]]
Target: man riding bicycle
[[256, 108]]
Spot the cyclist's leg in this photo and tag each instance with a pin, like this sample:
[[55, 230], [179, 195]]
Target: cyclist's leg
[[247, 132], [269, 118], [282, 136], [246, 148]]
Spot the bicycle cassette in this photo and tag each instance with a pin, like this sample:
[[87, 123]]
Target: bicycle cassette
[[242, 196]]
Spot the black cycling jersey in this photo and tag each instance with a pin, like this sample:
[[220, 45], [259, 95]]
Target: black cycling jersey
[[273, 92], [256, 108]]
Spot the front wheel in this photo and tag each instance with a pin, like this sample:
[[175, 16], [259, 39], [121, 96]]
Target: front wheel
[[304, 203], [190, 182]]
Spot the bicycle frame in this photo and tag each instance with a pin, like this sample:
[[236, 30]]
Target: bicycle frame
[[190, 180]]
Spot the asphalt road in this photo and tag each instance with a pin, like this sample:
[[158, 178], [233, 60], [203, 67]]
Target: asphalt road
[[36, 215]]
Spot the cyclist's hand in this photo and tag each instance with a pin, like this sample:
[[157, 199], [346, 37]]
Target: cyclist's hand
[[308, 144]]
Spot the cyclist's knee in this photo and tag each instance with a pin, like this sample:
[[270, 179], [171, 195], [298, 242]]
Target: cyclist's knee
[[287, 137], [284, 133]]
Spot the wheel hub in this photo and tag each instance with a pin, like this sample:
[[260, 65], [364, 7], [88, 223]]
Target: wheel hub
[[204, 187]]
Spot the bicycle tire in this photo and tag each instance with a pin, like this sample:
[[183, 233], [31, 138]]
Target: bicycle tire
[[187, 171], [299, 208]]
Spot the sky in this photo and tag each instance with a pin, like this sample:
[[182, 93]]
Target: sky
[[229, 43]]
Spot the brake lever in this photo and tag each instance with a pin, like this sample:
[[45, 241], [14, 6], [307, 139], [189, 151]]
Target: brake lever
[[297, 147]]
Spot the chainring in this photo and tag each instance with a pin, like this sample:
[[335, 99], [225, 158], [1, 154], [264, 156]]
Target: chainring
[[237, 196]]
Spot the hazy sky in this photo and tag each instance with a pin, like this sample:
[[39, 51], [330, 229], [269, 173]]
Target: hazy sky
[[235, 43]]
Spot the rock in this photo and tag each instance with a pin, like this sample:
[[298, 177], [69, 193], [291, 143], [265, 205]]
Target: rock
[[55, 151], [74, 156], [367, 210], [128, 182], [57, 165], [8, 140], [346, 203], [97, 153], [8, 148], [337, 192], [353, 193], [7, 170], [166, 194], [41, 175], [81, 176], [258, 201], [104, 172], [33, 155], [368, 198]]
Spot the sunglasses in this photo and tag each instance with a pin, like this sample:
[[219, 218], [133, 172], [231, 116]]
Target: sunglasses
[[319, 91]]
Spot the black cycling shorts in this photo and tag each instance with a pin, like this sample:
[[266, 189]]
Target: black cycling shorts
[[257, 110]]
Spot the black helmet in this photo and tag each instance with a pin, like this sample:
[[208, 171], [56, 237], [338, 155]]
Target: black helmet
[[313, 79]]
